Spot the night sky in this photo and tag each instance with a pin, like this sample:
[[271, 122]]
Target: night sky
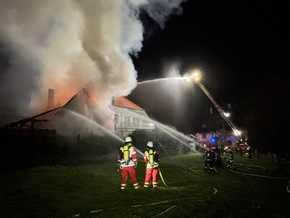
[[236, 44]]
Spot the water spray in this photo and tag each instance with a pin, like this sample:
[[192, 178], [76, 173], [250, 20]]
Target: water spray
[[171, 132], [196, 77], [97, 125], [161, 79]]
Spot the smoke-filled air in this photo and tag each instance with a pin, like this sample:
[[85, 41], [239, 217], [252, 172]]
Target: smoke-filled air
[[71, 45]]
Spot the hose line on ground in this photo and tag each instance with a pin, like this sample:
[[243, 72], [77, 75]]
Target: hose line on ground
[[160, 174]]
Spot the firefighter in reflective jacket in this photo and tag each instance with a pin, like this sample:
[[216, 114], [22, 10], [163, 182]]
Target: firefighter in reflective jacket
[[229, 156], [127, 161], [151, 159], [209, 159]]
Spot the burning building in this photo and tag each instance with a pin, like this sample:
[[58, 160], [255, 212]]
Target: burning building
[[64, 44], [78, 116]]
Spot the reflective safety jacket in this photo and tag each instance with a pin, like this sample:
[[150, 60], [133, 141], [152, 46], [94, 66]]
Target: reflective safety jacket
[[127, 156], [151, 158], [229, 155], [209, 155]]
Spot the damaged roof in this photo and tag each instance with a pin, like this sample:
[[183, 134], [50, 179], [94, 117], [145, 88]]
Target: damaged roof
[[124, 102]]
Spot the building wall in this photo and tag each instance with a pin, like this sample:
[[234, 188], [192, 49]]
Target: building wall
[[128, 120]]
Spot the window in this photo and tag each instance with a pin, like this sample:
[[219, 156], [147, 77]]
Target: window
[[136, 122], [127, 122]]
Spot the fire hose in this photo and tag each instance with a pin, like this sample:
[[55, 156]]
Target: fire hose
[[160, 174]]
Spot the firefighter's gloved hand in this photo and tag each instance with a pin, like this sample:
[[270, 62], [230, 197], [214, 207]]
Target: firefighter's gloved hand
[[135, 166]]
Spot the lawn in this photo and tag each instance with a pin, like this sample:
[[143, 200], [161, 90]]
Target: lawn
[[255, 189]]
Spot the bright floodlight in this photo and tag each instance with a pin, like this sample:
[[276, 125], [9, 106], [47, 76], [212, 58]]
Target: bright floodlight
[[227, 114], [194, 76], [237, 132]]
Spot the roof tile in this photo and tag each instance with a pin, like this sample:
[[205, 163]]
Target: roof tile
[[124, 102]]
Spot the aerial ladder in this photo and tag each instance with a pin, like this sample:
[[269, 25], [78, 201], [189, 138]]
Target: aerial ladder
[[195, 77], [219, 109]]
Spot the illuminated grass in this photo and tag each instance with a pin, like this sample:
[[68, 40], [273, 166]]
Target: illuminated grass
[[93, 191]]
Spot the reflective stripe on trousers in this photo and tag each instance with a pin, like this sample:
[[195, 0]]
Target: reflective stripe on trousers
[[124, 174], [151, 175]]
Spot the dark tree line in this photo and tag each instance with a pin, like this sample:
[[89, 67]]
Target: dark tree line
[[265, 114]]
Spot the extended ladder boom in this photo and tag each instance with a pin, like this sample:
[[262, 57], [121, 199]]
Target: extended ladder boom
[[219, 109]]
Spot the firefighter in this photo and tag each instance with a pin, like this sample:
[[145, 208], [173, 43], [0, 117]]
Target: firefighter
[[209, 160], [151, 159], [229, 156], [127, 161]]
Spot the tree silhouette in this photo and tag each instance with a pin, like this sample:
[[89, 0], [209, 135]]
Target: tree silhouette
[[265, 112]]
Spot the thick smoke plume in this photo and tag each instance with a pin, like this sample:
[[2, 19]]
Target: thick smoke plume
[[68, 44]]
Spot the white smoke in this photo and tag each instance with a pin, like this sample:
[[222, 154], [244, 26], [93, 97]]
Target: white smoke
[[161, 10], [66, 44]]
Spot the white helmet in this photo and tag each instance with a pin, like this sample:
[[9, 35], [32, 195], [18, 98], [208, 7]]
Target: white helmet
[[128, 139], [150, 144]]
